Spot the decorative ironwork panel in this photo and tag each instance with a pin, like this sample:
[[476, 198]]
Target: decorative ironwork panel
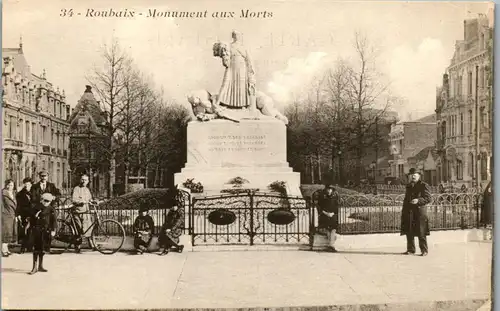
[[250, 219]]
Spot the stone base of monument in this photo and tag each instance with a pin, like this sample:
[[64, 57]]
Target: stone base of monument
[[255, 150]]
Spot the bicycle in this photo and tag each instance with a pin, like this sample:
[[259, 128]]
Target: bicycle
[[101, 235]]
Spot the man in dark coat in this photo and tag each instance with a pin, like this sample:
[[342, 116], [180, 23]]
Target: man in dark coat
[[414, 221], [23, 198], [328, 214], [44, 186], [42, 221], [486, 207]]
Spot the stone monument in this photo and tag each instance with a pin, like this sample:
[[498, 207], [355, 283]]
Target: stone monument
[[237, 132]]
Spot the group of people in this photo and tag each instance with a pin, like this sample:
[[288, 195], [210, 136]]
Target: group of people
[[414, 219], [29, 216], [170, 231]]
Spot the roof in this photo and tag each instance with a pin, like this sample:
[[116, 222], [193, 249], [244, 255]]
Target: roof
[[428, 119], [424, 153], [88, 103]]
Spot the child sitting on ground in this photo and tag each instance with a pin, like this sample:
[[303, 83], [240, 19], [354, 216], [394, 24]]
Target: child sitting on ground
[[143, 229]]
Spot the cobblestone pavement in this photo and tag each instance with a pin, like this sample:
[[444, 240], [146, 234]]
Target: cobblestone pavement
[[248, 278]]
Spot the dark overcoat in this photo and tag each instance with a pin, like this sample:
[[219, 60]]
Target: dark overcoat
[[330, 204], [42, 221], [414, 220], [23, 198], [487, 206], [36, 192], [9, 207], [143, 224]]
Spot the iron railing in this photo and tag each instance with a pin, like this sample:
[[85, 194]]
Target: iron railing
[[250, 218], [364, 214]]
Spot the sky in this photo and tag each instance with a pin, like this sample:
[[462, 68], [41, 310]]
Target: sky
[[415, 42]]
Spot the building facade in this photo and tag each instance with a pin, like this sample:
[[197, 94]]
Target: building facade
[[35, 129], [89, 143], [406, 140], [463, 108]]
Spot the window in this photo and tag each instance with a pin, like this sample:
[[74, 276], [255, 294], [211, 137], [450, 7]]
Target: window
[[12, 127], [52, 138], [27, 172], [64, 174], [461, 123], [482, 117], [33, 137], [481, 77], [460, 170], [471, 165], [28, 132], [44, 135], [471, 123], [459, 86], [484, 166], [470, 83], [20, 126]]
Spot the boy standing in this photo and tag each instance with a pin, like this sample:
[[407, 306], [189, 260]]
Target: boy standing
[[42, 220]]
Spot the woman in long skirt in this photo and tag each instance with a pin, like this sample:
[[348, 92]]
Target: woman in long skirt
[[9, 207], [172, 230]]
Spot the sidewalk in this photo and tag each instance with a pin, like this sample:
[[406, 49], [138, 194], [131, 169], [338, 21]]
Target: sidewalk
[[459, 271]]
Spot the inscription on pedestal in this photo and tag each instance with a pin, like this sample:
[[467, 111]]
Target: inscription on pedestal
[[225, 143]]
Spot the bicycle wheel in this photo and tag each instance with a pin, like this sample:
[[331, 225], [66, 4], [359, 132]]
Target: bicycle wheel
[[64, 235], [108, 236]]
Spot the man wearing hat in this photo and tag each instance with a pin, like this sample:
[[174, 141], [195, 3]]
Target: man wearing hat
[[42, 221], [328, 214], [44, 186], [414, 221]]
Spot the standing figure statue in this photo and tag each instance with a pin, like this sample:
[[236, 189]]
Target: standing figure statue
[[238, 85]]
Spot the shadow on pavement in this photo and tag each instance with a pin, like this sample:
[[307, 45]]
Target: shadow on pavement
[[12, 270]]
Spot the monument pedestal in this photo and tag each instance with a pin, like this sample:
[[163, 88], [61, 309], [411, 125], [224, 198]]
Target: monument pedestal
[[220, 150]]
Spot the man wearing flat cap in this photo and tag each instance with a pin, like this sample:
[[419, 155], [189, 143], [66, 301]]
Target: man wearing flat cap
[[414, 221], [42, 221]]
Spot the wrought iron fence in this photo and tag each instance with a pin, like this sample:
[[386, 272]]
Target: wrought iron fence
[[250, 218], [401, 189], [363, 214], [125, 210]]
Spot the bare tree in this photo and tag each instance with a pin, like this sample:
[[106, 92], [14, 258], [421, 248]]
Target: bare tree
[[366, 87], [108, 80]]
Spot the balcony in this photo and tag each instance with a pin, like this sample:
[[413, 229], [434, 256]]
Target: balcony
[[13, 144]]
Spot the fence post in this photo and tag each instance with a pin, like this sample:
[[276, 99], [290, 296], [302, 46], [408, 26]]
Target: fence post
[[251, 194], [191, 219]]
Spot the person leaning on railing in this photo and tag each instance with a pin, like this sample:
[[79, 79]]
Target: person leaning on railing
[[81, 199]]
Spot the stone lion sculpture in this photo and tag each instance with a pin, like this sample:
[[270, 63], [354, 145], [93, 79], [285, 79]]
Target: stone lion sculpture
[[205, 109]]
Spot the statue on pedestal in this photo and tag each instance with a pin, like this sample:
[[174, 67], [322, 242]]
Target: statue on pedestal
[[238, 98], [238, 85]]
